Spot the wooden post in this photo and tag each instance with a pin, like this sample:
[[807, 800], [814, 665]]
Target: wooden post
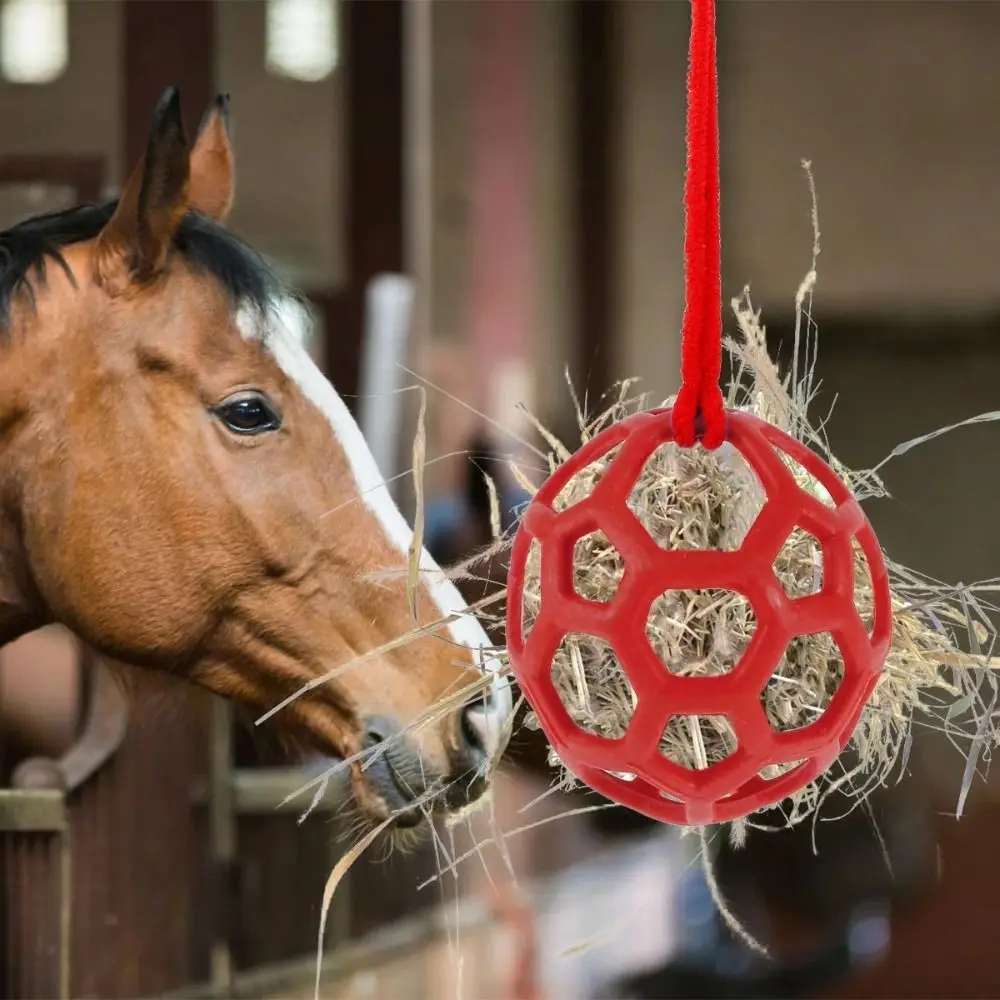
[[418, 128], [373, 183], [503, 186], [166, 43], [596, 161]]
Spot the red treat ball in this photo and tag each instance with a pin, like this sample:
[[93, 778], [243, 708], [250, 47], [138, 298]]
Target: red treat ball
[[734, 787]]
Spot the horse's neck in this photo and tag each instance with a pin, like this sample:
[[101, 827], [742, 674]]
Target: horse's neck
[[18, 615], [21, 362], [15, 616], [15, 621]]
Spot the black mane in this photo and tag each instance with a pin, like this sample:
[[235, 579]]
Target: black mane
[[26, 248]]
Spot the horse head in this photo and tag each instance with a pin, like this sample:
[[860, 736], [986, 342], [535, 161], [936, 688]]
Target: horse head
[[182, 487]]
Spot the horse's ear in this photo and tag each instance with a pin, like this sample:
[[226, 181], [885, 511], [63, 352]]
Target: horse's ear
[[134, 244], [212, 167]]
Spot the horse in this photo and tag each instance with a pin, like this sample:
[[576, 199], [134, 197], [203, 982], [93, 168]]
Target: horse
[[183, 489]]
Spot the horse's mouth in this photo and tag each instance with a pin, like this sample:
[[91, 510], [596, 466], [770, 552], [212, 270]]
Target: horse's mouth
[[391, 782], [383, 793], [389, 788], [375, 791]]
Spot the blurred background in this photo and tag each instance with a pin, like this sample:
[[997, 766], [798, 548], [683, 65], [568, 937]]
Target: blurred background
[[494, 190]]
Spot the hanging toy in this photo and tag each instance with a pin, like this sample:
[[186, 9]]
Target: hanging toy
[[713, 600]]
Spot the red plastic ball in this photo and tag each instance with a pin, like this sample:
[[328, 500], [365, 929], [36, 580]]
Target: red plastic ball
[[734, 787]]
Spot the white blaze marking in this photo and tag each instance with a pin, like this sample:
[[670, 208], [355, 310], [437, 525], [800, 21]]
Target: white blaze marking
[[290, 354]]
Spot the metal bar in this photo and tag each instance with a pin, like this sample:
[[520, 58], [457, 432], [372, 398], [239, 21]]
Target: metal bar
[[222, 835], [388, 325], [104, 729], [32, 810], [100, 737], [262, 791], [65, 912]]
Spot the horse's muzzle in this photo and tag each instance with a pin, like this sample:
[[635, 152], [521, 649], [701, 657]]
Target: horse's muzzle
[[409, 785]]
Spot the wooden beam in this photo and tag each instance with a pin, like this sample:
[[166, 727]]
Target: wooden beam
[[504, 247], [166, 43], [374, 84], [84, 174], [374, 179]]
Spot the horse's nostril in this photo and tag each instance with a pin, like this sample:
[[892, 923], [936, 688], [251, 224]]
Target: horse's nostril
[[473, 729], [480, 743], [486, 723], [379, 729], [482, 736]]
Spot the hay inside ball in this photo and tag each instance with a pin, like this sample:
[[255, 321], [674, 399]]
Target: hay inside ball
[[692, 499]]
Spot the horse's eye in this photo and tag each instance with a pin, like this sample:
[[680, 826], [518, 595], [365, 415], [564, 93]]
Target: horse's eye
[[248, 413]]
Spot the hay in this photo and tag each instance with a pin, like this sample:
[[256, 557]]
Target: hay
[[695, 499]]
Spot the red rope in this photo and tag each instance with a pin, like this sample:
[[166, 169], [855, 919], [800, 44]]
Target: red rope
[[701, 332]]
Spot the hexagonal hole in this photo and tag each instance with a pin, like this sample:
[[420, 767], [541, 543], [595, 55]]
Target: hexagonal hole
[[689, 498], [799, 564], [807, 481], [774, 771], [864, 590], [802, 687], [581, 484], [531, 596], [696, 742], [593, 686], [700, 633], [598, 567]]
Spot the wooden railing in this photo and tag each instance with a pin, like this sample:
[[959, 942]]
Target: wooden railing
[[143, 860], [416, 958], [36, 848]]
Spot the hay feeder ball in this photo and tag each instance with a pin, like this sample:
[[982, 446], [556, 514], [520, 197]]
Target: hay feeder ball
[[669, 735], [632, 769]]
